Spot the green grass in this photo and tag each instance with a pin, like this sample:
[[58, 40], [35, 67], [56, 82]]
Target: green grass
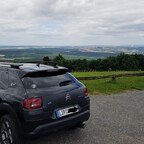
[[107, 86]]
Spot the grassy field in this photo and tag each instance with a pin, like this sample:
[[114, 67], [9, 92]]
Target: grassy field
[[107, 86]]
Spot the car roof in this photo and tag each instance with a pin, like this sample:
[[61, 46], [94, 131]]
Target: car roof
[[25, 68]]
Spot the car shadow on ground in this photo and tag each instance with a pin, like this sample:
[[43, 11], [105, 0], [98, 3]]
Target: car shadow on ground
[[59, 137]]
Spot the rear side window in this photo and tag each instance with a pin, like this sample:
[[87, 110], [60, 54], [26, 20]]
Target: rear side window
[[3, 79], [43, 81]]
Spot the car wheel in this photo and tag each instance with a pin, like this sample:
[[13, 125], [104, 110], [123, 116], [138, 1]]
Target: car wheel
[[8, 131]]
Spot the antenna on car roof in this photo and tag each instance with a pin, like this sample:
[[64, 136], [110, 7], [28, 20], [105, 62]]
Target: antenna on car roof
[[38, 65], [52, 64], [12, 65]]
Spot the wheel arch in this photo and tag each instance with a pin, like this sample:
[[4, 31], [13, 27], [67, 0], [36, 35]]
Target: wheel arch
[[7, 109]]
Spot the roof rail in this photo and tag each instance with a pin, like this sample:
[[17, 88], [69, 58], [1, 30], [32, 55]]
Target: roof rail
[[16, 66], [12, 65], [52, 64]]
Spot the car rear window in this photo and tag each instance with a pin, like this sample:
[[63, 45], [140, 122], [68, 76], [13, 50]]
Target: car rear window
[[46, 80]]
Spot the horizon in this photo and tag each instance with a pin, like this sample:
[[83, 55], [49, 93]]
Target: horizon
[[27, 45]]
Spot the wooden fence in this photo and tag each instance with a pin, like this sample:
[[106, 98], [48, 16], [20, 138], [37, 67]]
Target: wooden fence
[[110, 76]]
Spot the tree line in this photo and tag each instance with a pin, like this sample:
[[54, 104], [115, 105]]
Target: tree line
[[123, 61]]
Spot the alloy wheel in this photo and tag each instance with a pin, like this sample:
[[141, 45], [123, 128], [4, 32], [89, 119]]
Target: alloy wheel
[[6, 133]]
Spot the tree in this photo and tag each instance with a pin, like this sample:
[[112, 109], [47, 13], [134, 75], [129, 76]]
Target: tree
[[120, 62], [60, 60]]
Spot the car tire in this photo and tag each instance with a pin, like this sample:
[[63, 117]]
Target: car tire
[[8, 131]]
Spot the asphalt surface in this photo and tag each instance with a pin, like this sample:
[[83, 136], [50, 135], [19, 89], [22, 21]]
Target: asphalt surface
[[115, 119]]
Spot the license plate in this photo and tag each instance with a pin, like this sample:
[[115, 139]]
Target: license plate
[[67, 111]]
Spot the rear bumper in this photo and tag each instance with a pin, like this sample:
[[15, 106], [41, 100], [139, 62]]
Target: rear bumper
[[62, 123]]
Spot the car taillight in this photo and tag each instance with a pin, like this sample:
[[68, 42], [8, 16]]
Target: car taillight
[[32, 103], [85, 91]]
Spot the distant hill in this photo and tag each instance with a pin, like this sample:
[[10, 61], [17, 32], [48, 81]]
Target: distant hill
[[69, 52]]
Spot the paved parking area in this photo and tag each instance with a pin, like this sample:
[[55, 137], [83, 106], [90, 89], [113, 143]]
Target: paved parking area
[[115, 119]]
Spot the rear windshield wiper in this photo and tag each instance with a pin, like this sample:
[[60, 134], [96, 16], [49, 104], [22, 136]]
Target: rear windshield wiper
[[64, 83]]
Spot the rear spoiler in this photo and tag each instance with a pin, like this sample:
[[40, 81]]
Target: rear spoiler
[[44, 72]]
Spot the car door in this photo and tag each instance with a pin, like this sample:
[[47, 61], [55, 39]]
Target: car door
[[3, 83]]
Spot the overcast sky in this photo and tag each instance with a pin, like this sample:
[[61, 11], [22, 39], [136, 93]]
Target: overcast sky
[[71, 22]]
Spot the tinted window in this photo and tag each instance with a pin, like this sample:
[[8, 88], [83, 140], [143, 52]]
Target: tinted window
[[3, 79], [46, 81]]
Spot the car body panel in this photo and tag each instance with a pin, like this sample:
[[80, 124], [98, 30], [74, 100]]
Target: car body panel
[[44, 119]]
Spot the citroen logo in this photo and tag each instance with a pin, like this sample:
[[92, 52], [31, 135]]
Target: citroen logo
[[68, 97]]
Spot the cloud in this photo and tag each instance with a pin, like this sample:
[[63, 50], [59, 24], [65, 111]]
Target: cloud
[[73, 22]]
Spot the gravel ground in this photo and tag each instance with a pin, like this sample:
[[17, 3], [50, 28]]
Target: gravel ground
[[115, 119]]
